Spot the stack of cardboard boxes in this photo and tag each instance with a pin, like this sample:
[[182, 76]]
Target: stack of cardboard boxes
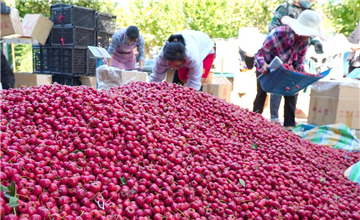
[[33, 26], [11, 24]]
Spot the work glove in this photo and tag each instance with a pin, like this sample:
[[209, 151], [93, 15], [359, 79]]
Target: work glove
[[139, 69], [318, 48]]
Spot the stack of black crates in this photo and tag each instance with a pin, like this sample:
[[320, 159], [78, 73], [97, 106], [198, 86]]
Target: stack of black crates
[[65, 55]]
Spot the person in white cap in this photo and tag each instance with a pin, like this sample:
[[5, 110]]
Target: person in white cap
[[291, 8], [288, 42]]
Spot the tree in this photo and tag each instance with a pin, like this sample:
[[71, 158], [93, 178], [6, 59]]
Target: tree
[[156, 20], [43, 6], [344, 15]]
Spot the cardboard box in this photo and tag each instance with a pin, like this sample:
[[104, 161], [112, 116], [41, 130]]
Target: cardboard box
[[220, 87], [28, 79], [210, 77], [36, 26], [357, 133], [338, 104], [88, 81], [11, 24]]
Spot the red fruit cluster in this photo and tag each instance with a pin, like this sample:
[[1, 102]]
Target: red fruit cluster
[[290, 67], [161, 151]]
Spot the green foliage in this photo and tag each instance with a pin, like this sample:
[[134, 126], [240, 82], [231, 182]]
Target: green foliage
[[242, 182], [344, 15], [157, 19], [10, 193], [43, 6], [123, 180], [23, 55]]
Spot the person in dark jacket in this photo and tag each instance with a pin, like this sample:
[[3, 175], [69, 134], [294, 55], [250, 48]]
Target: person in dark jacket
[[7, 75], [354, 56]]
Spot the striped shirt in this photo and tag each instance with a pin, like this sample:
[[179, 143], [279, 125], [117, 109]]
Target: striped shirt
[[281, 42], [119, 38]]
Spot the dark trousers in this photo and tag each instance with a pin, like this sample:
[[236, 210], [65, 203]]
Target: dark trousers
[[7, 75], [177, 80], [260, 98], [249, 61], [289, 108]]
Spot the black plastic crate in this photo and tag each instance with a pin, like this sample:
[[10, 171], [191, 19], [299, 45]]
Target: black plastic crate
[[56, 58], [69, 61], [41, 59], [72, 36], [91, 65], [103, 39], [63, 14], [66, 80], [48, 40], [105, 22]]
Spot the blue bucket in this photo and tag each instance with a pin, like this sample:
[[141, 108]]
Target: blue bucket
[[277, 81]]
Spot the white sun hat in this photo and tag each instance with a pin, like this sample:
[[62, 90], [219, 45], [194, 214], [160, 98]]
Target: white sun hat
[[307, 24]]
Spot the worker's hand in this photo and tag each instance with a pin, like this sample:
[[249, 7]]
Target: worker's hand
[[139, 69], [265, 68], [354, 49], [202, 81], [318, 48]]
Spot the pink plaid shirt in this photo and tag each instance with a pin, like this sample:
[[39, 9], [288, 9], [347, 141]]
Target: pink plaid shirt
[[281, 42]]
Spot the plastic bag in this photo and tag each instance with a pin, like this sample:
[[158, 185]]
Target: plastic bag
[[336, 135], [353, 173], [109, 77]]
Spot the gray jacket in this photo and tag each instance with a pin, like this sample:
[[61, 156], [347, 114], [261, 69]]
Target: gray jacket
[[354, 38]]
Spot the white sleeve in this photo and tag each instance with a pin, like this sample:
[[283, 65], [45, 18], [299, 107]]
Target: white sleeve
[[195, 71], [159, 69]]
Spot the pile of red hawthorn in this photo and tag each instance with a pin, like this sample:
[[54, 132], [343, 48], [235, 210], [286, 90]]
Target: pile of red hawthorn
[[289, 67], [160, 151]]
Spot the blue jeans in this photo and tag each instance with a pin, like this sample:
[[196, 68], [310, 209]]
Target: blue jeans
[[274, 106]]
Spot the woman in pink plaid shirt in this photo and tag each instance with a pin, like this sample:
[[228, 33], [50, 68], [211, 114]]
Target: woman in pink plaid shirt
[[288, 42]]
